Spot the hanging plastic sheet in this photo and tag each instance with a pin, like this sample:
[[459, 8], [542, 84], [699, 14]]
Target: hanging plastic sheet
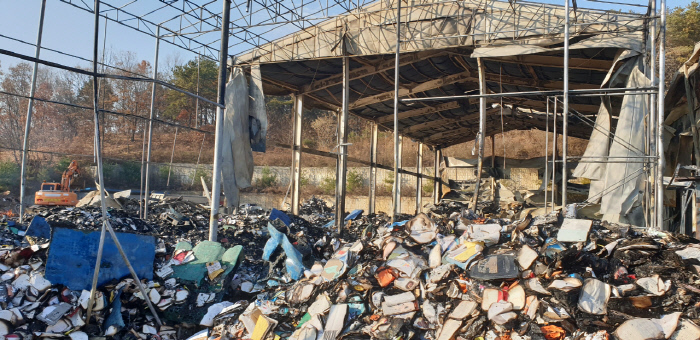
[[623, 182], [256, 110]]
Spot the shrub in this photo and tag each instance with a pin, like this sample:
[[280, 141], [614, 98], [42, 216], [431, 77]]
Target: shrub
[[9, 176], [428, 187], [327, 185], [309, 143], [268, 179], [303, 180], [353, 181]]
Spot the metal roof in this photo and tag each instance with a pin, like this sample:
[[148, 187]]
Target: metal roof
[[520, 43]]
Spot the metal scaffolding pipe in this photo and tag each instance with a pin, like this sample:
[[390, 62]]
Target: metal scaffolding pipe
[[482, 131], [342, 163], [216, 176], [546, 155], [397, 178], [554, 155], [652, 113], [146, 194], [297, 113], [397, 184], [659, 202], [436, 180], [373, 169], [172, 155], [565, 111], [419, 179], [30, 108], [100, 175]]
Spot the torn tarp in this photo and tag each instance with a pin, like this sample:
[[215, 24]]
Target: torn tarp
[[256, 110]]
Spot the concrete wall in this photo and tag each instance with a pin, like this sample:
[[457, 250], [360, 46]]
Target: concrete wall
[[523, 178], [269, 201]]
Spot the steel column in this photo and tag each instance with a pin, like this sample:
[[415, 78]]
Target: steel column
[[98, 156], [297, 113], [146, 194], [216, 176], [652, 117], [396, 197], [659, 201], [565, 110], [100, 174], [373, 169], [546, 156], [342, 163], [30, 107], [172, 155], [554, 154], [397, 185], [419, 178], [482, 131], [436, 180]]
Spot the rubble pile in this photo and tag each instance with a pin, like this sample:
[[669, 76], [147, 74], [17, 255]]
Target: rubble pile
[[447, 274]]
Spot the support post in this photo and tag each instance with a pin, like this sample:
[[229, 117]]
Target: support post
[[373, 170], [146, 194], [436, 179], [546, 156], [565, 111], [143, 165], [100, 175], [651, 166], [419, 179], [296, 151], [172, 155], [554, 154], [216, 176], [397, 178], [482, 130], [30, 108], [493, 151], [659, 200], [397, 184], [342, 163]]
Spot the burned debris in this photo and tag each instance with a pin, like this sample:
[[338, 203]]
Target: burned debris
[[446, 274]]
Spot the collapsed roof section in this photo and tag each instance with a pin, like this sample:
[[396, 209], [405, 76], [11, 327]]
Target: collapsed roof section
[[520, 44]]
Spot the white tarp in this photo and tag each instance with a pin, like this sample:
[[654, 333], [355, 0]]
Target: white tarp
[[623, 181], [630, 42], [592, 165], [243, 106]]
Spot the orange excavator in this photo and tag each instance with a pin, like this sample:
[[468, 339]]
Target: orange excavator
[[59, 193]]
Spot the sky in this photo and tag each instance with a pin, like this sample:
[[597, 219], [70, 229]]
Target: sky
[[70, 30]]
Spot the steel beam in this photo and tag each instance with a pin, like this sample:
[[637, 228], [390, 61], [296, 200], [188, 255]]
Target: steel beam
[[216, 176], [150, 128], [342, 163], [368, 70], [423, 111], [373, 170], [554, 61], [419, 179], [28, 122], [296, 151], [436, 179], [660, 115], [482, 131], [397, 184], [565, 109], [396, 197]]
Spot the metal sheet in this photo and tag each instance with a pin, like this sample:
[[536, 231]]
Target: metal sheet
[[73, 253]]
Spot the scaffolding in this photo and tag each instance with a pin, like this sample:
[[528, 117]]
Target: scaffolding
[[257, 31]]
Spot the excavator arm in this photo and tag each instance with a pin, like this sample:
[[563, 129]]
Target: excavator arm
[[71, 173]]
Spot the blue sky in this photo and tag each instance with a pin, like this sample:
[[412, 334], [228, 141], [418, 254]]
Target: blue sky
[[69, 29]]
